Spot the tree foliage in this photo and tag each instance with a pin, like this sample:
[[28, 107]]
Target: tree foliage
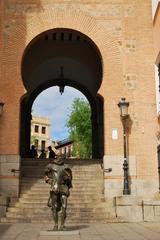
[[80, 128]]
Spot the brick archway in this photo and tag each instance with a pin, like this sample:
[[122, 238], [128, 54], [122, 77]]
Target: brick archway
[[108, 47], [33, 25]]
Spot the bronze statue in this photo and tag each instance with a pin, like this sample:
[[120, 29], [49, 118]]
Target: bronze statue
[[59, 176]]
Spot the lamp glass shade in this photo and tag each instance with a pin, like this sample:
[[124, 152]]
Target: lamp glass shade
[[123, 105]]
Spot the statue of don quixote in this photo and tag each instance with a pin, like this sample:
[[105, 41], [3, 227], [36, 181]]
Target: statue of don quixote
[[59, 176]]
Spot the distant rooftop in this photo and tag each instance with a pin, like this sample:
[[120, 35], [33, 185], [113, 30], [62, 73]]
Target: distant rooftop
[[63, 142], [41, 120]]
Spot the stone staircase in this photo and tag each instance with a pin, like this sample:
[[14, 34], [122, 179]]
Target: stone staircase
[[86, 203]]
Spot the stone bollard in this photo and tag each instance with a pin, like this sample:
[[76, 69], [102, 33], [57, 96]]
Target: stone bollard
[[4, 203]]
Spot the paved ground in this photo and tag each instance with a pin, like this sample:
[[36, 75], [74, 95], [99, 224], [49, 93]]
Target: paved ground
[[110, 231]]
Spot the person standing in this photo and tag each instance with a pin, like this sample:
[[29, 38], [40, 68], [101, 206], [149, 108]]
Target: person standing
[[51, 152]]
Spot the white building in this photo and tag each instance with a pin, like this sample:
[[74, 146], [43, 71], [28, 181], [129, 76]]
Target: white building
[[40, 132]]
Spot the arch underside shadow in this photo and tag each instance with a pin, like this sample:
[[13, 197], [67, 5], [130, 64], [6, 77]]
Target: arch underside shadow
[[42, 62]]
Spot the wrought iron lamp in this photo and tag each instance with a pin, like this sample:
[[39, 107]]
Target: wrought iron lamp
[[61, 82], [1, 108], [123, 105]]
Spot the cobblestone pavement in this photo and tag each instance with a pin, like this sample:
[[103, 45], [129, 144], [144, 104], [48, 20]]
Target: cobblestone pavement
[[110, 231]]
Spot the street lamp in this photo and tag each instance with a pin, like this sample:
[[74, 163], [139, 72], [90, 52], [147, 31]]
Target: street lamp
[[123, 105], [1, 108]]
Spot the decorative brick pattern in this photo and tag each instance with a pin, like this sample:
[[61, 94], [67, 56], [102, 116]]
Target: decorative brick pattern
[[114, 27], [130, 81], [129, 10], [130, 46]]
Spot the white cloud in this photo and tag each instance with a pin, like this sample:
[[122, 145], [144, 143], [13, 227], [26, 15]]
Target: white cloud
[[50, 103]]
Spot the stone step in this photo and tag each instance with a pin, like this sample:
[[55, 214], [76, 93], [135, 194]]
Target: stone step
[[41, 175], [72, 166], [74, 183], [68, 221], [41, 195], [47, 210], [33, 174], [41, 171], [74, 161], [81, 190], [94, 189], [70, 212], [49, 216], [71, 201], [25, 204], [75, 178], [78, 193], [74, 171], [84, 189]]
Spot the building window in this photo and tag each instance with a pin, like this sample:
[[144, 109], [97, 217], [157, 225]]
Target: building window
[[43, 130], [36, 128], [36, 143], [43, 145]]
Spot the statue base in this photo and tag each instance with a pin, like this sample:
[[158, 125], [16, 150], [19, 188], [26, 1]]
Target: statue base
[[59, 233]]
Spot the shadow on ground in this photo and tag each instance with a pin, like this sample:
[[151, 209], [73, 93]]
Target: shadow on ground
[[77, 227], [4, 227]]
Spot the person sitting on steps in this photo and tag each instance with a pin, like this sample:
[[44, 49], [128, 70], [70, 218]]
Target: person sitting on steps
[[33, 152], [43, 154]]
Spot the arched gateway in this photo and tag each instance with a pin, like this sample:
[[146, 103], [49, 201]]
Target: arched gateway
[[62, 57], [97, 48]]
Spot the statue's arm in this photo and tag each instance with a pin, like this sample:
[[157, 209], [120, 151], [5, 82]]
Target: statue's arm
[[68, 177], [47, 173]]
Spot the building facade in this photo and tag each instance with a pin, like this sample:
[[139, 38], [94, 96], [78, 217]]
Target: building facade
[[156, 34], [102, 48], [40, 132], [64, 148]]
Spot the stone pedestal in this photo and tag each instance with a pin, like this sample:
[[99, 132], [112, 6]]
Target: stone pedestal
[[151, 211], [135, 209], [9, 179], [59, 233], [129, 208], [4, 202]]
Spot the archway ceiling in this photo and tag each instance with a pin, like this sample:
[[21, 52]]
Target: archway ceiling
[[44, 58]]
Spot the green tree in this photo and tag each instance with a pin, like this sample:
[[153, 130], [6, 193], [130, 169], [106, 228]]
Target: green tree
[[80, 128]]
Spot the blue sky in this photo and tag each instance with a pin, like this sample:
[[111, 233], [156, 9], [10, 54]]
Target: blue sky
[[50, 103]]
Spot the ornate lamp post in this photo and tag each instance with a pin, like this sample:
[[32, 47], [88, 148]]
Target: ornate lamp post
[[123, 105], [1, 108]]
